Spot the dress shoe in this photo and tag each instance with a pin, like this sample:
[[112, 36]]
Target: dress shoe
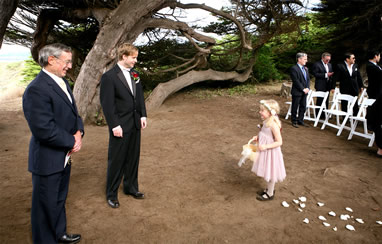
[[303, 124], [113, 203], [137, 195], [69, 238], [295, 125]]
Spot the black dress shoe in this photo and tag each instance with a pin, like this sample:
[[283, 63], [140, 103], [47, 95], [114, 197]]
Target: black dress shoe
[[294, 125], [303, 124], [137, 195], [69, 238], [113, 203]]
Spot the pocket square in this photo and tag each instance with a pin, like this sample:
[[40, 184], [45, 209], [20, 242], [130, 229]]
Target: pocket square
[[137, 81]]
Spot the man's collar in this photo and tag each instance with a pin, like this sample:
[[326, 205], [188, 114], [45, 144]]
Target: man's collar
[[123, 68]]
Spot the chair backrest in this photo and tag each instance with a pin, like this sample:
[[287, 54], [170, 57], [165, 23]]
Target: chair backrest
[[362, 96], [316, 94], [349, 98], [366, 102]]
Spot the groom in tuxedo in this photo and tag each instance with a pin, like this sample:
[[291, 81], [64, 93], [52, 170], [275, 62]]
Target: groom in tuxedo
[[300, 88], [124, 108], [57, 129], [322, 70]]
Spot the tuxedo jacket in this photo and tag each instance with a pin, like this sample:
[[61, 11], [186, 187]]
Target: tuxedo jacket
[[53, 120], [374, 75], [120, 105], [322, 83], [298, 81], [348, 84]]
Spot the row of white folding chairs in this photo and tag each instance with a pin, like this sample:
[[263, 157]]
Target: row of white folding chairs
[[336, 110]]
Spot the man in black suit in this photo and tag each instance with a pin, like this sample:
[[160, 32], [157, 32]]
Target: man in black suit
[[300, 88], [350, 79], [124, 108], [57, 129], [374, 75], [323, 72]]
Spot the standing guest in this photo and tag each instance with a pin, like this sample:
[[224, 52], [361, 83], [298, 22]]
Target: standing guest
[[300, 88], [374, 75], [270, 162], [57, 130], [374, 122], [350, 79], [323, 72], [123, 104]]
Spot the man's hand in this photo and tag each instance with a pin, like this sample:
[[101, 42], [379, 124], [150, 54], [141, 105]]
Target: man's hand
[[77, 142], [143, 123], [118, 132], [306, 90], [330, 74]]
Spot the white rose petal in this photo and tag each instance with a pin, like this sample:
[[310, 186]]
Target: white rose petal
[[350, 227], [331, 213], [360, 221], [302, 199], [295, 201], [320, 204], [335, 228], [306, 221], [322, 218], [379, 222], [349, 209], [302, 205], [285, 204], [299, 209], [344, 217], [326, 224]]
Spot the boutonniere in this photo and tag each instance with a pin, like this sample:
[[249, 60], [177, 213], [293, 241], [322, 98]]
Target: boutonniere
[[355, 69], [135, 76]]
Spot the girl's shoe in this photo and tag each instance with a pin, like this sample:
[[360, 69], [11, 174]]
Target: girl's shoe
[[265, 197], [261, 192]]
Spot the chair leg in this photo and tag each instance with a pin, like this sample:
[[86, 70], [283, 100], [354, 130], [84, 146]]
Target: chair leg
[[372, 140], [343, 125], [353, 125]]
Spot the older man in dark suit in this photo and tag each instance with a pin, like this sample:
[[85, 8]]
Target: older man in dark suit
[[57, 129], [123, 104], [350, 79], [323, 72], [300, 88], [374, 75]]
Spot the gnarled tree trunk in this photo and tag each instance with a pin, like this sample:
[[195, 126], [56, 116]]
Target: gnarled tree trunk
[[7, 9]]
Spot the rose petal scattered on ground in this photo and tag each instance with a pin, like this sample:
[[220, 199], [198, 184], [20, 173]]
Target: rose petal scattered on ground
[[379, 222], [344, 217], [360, 221], [285, 204], [331, 213], [350, 227], [320, 204], [302, 199], [302, 205], [306, 221], [322, 218], [335, 228], [326, 224], [349, 209], [299, 209], [295, 201]]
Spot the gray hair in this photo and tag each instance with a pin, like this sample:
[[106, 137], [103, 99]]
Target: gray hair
[[300, 55], [55, 50]]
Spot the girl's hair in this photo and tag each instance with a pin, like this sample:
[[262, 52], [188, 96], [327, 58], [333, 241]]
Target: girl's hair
[[273, 107]]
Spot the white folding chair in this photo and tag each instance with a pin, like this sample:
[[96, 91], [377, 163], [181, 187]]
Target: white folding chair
[[362, 96], [336, 110], [290, 105], [310, 113], [361, 117]]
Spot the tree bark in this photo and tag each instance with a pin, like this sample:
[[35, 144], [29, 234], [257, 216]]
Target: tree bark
[[115, 30], [7, 9], [164, 90]]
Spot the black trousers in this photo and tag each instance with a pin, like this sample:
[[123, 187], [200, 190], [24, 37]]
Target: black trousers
[[123, 161], [298, 104], [48, 215], [344, 107]]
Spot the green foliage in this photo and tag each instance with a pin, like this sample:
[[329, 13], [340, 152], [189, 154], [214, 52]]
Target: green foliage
[[265, 66], [30, 71]]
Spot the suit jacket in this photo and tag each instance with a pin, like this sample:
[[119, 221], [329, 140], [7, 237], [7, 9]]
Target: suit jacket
[[374, 75], [120, 106], [298, 81], [322, 83], [348, 84], [53, 120]]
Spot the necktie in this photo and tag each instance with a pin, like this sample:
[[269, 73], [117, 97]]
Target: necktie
[[303, 71], [62, 84]]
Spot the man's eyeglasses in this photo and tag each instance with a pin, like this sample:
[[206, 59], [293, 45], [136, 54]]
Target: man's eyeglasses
[[67, 62]]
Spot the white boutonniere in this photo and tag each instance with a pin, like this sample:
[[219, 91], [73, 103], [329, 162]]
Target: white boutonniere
[[355, 69]]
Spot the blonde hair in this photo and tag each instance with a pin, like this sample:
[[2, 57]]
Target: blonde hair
[[274, 109], [126, 49]]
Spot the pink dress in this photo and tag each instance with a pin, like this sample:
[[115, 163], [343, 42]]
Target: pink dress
[[270, 162]]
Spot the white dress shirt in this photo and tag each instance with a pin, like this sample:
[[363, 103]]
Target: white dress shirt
[[60, 82]]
